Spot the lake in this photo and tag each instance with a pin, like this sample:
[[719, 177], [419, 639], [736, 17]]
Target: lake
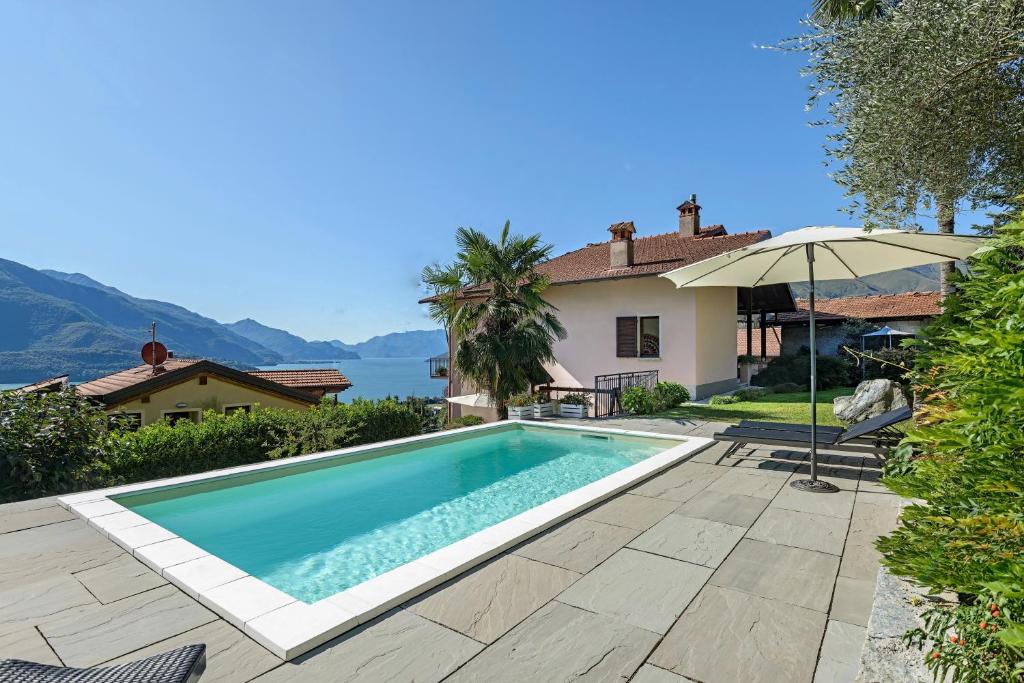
[[372, 378], [376, 378]]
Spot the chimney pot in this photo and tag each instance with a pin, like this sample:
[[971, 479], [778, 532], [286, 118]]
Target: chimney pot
[[621, 247], [689, 217]]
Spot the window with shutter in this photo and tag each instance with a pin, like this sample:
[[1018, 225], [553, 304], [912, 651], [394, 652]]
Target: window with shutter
[[625, 337]]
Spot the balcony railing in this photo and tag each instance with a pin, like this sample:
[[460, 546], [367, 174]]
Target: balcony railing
[[438, 366]]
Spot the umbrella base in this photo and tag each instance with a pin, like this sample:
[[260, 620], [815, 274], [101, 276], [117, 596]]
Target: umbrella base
[[815, 486]]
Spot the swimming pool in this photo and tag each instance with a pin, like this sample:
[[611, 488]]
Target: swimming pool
[[295, 552]]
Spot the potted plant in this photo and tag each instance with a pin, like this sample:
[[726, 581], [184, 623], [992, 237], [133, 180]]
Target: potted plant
[[574, 405], [520, 406], [543, 406]]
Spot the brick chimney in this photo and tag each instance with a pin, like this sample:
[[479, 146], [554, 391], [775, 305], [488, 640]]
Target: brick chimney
[[689, 217], [621, 247]]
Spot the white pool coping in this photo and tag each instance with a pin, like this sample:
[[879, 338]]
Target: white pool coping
[[289, 627]]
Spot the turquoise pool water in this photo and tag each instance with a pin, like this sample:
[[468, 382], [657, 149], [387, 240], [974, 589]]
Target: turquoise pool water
[[317, 532]]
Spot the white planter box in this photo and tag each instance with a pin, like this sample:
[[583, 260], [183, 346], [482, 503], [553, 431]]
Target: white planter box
[[544, 409], [520, 413], [572, 410]]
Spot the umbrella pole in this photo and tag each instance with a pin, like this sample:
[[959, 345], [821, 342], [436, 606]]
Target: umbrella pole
[[813, 484]]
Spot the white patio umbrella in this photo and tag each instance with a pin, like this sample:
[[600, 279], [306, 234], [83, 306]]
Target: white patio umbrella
[[831, 253]]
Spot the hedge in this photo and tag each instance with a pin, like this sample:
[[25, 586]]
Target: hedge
[[56, 443]]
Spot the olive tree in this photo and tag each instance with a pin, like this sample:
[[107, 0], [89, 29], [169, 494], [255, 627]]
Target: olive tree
[[925, 99]]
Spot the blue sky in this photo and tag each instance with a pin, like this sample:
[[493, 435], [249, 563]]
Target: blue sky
[[299, 163]]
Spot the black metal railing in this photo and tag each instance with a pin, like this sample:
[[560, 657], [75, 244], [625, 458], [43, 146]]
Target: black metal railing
[[608, 389], [438, 366]]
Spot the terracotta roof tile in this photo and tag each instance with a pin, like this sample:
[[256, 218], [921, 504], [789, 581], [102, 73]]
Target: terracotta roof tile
[[329, 380], [126, 378], [773, 337], [874, 307], [651, 255]]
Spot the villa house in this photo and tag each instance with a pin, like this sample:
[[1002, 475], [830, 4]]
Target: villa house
[[182, 388], [622, 318], [906, 312]]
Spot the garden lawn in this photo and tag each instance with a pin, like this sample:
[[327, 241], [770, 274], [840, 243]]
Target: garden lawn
[[772, 408]]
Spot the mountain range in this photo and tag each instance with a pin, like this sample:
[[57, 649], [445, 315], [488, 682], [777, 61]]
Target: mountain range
[[55, 323]]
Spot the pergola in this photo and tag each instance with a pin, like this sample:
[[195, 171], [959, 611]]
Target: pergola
[[765, 299]]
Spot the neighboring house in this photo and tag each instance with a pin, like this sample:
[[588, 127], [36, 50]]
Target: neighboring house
[[183, 388], [906, 312], [772, 342], [621, 317]]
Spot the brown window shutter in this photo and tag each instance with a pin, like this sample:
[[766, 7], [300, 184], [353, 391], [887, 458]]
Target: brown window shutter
[[625, 337]]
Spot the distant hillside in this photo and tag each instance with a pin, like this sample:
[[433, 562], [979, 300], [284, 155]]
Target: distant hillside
[[917, 279], [412, 344], [292, 348], [55, 323]]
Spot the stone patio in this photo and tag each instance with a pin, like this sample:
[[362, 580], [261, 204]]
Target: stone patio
[[714, 570]]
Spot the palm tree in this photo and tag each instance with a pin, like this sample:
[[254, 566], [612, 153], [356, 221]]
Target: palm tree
[[491, 300]]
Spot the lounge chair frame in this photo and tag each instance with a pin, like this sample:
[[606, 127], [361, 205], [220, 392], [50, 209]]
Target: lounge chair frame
[[872, 437]]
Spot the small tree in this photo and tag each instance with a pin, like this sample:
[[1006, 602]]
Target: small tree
[[491, 299], [925, 99]]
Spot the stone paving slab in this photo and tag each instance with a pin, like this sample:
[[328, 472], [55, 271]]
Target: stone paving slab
[[724, 507], [34, 603], [16, 520], [840, 653], [561, 643], [50, 551], [578, 545], [121, 577], [801, 530], [633, 511], [638, 588], [90, 635], [400, 646], [852, 600], [727, 636], [681, 483], [838, 504], [741, 482], [652, 674], [690, 539], [28, 644], [487, 602], [799, 577], [231, 657]]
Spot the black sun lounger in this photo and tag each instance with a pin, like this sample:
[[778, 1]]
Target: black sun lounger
[[874, 436], [184, 665]]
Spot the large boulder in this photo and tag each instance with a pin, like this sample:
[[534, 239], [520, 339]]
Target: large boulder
[[870, 399]]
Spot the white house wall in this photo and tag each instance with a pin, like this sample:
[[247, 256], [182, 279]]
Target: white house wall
[[698, 332]]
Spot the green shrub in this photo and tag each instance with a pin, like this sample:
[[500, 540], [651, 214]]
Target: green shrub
[[786, 388], [668, 395], [522, 400], [638, 401], [46, 442], [55, 443], [750, 394], [833, 371], [465, 421], [723, 400], [577, 399], [964, 460]]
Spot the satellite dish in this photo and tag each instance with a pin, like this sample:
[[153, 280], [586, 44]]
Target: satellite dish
[[154, 353]]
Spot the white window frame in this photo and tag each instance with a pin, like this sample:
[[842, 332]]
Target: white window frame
[[640, 341]]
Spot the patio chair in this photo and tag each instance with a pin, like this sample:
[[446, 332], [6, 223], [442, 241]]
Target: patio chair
[[184, 665], [874, 436]]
